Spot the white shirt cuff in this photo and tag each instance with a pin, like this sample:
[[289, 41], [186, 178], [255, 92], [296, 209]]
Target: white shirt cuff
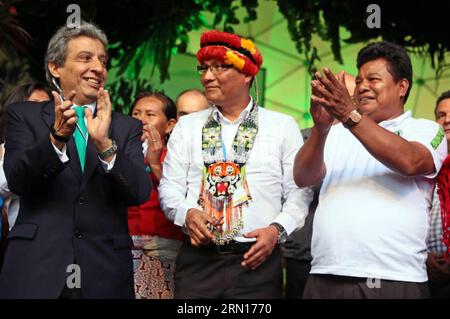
[[180, 217], [62, 154], [108, 166], [285, 220]]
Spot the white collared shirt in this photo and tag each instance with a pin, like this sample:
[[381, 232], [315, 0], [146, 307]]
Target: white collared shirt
[[62, 154], [276, 198]]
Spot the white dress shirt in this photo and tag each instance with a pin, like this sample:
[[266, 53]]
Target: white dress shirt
[[62, 154], [10, 200], [276, 198]]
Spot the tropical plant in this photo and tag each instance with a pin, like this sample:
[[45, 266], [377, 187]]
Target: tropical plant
[[420, 26], [151, 31], [13, 41]]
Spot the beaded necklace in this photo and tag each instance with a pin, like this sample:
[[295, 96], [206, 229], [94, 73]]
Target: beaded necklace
[[224, 188]]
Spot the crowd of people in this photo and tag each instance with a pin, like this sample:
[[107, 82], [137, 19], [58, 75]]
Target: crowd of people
[[214, 196]]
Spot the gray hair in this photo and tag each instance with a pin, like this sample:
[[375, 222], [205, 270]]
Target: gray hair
[[57, 46]]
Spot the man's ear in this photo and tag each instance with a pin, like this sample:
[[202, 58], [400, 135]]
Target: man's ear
[[170, 125], [53, 68], [248, 78], [404, 86]]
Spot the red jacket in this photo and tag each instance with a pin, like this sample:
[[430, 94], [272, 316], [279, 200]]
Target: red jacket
[[149, 219]]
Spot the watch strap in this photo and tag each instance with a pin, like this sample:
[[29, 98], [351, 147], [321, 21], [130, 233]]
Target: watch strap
[[353, 118], [110, 151], [282, 234], [57, 137], [278, 226]]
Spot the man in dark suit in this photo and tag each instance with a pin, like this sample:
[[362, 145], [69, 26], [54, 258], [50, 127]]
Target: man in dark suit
[[76, 167]]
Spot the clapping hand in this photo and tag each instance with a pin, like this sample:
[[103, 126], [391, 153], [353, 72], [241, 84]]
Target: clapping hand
[[155, 144], [321, 117], [98, 126], [331, 93], [65, 117]]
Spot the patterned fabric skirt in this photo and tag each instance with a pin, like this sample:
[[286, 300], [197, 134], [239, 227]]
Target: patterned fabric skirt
[[154, 266]]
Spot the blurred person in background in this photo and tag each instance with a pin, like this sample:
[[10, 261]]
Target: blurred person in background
[[156, 240], [438, 242], [189, 101]]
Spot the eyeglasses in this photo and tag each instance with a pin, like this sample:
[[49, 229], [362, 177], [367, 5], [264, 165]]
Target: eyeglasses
[[215, 69]]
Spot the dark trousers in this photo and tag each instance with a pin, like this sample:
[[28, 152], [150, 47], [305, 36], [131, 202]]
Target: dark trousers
[[70, 293], [342, 287], [203, 273], [439, 291], [297, 272]]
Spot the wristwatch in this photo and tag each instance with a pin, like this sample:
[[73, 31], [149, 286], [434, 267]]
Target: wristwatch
[[282, 234], [354, 117], [57, 137], [110, 151]]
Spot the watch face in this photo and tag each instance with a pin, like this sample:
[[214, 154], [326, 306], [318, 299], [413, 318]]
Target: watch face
[[355, 116], [110, 151], [282, 237], [114, 146]]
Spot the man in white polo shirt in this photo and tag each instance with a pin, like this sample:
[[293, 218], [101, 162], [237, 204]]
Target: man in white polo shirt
[[377, 169]]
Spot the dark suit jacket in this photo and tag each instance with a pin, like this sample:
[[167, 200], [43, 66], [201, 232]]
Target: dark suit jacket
[[67, 216]]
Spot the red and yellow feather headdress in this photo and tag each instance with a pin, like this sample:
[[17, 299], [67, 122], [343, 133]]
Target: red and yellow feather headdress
[[230, 49]]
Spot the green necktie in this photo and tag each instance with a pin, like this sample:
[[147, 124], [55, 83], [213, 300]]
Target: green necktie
[[80, 135]]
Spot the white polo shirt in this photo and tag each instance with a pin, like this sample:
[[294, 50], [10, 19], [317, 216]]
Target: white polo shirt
[[371, 222]]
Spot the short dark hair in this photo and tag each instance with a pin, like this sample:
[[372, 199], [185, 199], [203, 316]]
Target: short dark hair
[[23, 92], [169, 108], [445, 95], [399, 63]]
